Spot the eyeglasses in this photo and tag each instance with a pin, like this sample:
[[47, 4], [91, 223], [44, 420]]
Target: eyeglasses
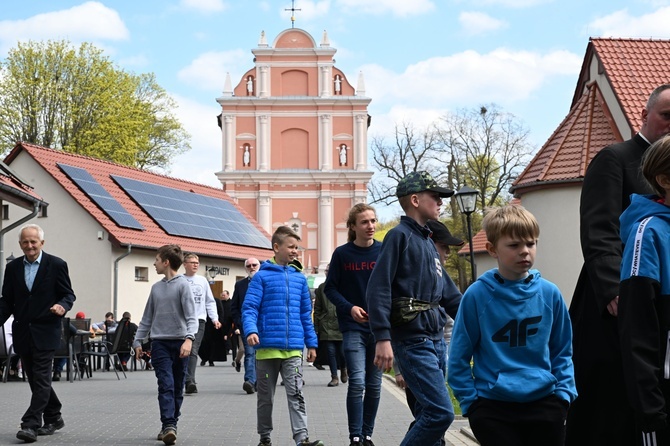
[[251, 265]]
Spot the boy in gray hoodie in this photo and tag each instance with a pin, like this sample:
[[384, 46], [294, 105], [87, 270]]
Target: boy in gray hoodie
[[170, 318]]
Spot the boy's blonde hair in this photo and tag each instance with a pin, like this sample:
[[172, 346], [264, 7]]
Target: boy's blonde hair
[[281, 233], [512, 221], [656, 161]]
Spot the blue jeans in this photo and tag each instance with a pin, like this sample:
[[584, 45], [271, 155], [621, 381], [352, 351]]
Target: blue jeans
[[171, 374], [334, 349], [423, 364], [249, 361], [365, 382]]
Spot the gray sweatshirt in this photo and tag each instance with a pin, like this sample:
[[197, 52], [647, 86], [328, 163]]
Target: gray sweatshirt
[[169, 313]]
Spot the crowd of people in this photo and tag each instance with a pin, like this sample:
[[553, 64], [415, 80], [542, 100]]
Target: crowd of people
[[524, 369]]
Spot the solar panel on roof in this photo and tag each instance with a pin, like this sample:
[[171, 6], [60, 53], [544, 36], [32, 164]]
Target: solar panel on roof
[[188, 214], [100, 196]]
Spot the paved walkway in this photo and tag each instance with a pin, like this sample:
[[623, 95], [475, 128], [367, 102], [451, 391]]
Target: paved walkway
[[104, 411]]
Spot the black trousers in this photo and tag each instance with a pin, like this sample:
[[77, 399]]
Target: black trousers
[[536, 423], [44, 402]]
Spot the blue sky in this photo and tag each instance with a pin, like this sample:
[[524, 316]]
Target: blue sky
[[420, 58]]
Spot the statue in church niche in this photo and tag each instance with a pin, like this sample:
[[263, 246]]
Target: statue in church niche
[[343, 154], [246, 156], [338, 84], [250, 85]]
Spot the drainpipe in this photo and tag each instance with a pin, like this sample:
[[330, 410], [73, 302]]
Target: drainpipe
[[3, 231], [116, 279]]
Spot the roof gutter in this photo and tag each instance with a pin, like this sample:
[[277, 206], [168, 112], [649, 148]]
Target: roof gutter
[[116, 279], [3, 231]]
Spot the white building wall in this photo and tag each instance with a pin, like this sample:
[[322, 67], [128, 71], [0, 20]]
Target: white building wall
[[71, 233], [559, 254]]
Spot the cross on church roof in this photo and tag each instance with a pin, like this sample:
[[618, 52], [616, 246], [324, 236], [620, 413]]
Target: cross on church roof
[[293, 10]]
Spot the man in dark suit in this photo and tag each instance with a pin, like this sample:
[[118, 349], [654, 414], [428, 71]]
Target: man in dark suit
[[601, 414], [252, 265], [37, 291]]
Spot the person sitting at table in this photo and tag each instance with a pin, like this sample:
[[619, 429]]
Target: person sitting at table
[[106, 326]]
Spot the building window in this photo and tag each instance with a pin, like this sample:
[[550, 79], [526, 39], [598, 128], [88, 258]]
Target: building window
[[5, 212], [141, 274], [42, 213]]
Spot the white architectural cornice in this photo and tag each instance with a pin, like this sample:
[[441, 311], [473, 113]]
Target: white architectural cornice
[[296, 176], [297, 101]]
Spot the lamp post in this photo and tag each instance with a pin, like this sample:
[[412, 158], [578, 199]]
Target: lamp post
[[10, 258], [466, 198]]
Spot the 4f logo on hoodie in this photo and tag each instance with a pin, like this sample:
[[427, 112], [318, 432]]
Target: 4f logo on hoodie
[[515, 332]]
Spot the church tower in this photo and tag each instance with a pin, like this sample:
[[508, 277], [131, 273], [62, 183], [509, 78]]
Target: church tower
[[294, 140]]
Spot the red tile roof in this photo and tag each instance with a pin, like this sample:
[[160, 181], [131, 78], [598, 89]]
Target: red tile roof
[[16, 192], [632, 68], [564, 157], [153, 236]]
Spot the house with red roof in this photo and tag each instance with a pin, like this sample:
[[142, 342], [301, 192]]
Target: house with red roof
[[107, 220], [614, 83]]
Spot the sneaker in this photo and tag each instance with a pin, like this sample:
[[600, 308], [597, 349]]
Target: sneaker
[[368, 441], [191, 388], [306, 442], [356, 441], [265, 442], [248, 387], [334, 382], [170, 435]]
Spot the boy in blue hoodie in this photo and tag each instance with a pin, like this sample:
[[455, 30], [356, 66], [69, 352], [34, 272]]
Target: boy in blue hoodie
[[277, 320], [644, 299], [514, 326]]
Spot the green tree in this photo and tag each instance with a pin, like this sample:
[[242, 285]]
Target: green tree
[[484, 147], [77, 100]]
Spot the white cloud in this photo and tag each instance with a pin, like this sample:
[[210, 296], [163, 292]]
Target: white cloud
[[511, 3], [622, 24], [204, 158], [204, 5], [208, 70], [479, 23], [88, 21], [400, 8], [467, 79]]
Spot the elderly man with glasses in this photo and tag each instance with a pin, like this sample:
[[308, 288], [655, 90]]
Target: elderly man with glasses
[[252, 265]]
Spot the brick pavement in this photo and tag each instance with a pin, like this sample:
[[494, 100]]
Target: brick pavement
[[104, 411]]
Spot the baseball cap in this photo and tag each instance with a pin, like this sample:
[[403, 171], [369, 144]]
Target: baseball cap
[[441, 234], [416, 182]]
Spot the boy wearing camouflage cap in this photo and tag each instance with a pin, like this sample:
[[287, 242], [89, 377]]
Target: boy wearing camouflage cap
[[409, 296]]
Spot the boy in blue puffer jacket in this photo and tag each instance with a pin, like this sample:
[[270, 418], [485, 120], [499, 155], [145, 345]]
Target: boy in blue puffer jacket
[[515, 326], [277, 320]]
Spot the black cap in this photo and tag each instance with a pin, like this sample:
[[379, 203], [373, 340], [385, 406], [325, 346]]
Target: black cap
[[441, 234]]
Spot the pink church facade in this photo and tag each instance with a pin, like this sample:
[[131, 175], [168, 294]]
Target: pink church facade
[[294, 142]]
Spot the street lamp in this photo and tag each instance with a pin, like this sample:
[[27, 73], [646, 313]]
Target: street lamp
[[10, 258], [211, 272], [466, 198]]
